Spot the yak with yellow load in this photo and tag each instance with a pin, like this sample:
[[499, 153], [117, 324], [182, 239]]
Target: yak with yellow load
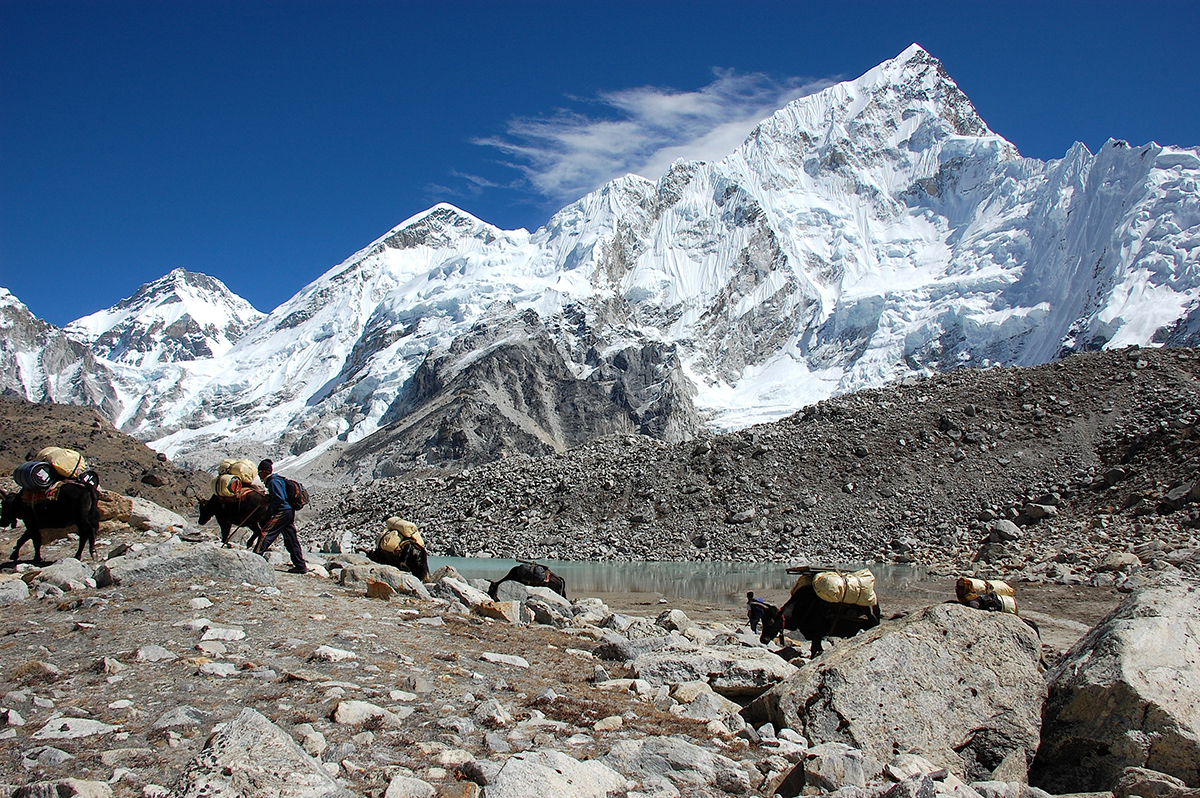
[[825, 602]]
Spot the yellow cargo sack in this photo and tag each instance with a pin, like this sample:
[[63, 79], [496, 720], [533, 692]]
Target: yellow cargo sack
[[244, 470], [227, 486], [857, 587], [402, 529], [968, 589], [67, 462]]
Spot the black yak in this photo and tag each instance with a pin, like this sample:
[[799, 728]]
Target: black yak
[[250, 511], [532, 574], [408, 557], [816, 619], [70, 503]]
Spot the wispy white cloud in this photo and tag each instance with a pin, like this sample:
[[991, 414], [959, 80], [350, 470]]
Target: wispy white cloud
[[642, 130]]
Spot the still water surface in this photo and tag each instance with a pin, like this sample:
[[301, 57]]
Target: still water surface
[[715, 582]]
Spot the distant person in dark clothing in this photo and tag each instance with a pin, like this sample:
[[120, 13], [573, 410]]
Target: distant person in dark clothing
[[754, 610], [283, 519]]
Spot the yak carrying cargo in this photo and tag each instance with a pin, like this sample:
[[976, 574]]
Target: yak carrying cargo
[[399, 530], [984, 595]]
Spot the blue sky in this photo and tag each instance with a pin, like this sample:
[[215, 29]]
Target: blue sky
[[264, 142]]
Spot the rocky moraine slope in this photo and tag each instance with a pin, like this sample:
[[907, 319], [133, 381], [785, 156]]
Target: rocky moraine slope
[[1085, 457]]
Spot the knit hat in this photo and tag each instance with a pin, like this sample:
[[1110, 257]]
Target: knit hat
[[266, 466]]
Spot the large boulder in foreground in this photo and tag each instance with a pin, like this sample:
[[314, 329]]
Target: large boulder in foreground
[[1127, 695], [732, 671], [959, 686], [251, 757], [175, 559]]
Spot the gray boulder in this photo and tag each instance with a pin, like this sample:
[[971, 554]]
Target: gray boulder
[[1126, 696], [66, 574], [250, 757], [173, 559], [548, 614], [618, 648], [453, 589], [685, 765], [510, 590], [400, 581], [13, 590], [732, 671], [408, 787], [1145, 783], [145, 515], [959, 686], [66, 788], [550, 597], [545, 773], [831, 766]]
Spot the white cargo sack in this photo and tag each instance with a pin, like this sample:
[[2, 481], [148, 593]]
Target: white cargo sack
[[67, 462], [244, 470], [968, 589], [856, 588], [399, 529], [227, 486]]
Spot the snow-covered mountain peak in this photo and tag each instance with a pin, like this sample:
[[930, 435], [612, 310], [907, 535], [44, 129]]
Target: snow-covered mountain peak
[[8, 300], [867, 232], [441, 226], [179, 317]]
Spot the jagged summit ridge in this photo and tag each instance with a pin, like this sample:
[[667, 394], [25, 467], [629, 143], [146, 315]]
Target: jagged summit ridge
[[182, 316], [864, 233]]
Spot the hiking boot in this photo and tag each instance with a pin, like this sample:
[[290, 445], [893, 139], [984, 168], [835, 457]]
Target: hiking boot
[[298, 569]]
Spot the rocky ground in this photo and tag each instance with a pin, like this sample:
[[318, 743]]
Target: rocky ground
[[126, 466], [1075, 481], [124, 684]]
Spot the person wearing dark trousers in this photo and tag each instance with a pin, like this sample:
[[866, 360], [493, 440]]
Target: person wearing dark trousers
[[754, 610], [283, 519]]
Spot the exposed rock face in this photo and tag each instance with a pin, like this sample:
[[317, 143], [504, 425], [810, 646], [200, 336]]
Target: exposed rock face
[[41, 364], [1127, 695], [179, 317], [172, 559], [250, 757], [959, 686], [685, 765], [505, 387]]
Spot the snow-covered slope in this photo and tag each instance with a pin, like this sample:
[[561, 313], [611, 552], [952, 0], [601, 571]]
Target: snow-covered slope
[[873, 230], [183, 316], [41, 364]]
